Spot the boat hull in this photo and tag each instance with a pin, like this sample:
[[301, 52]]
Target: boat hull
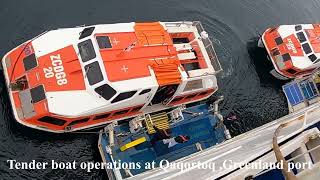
[[275, 72]]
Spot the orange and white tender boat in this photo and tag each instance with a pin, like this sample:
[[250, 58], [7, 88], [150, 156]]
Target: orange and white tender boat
[[293, 49], [78, 78]]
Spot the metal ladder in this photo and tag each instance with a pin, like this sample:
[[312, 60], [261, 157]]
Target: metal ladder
[[160, 120]]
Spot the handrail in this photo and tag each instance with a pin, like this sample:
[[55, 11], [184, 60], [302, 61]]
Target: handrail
[[289, 175], [289, 160], [209, 48], [206, 42], [285, 171], [306, 114]]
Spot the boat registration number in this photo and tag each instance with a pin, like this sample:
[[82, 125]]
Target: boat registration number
[[291, 46], [56, 70]]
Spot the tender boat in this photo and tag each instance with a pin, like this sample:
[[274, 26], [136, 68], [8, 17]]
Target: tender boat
[[294, 50], [78, 78], [286, 148]]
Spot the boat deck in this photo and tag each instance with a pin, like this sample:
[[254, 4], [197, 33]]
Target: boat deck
[[201, 130]]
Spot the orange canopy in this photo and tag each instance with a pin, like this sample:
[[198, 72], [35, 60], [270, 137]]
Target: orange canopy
[[166, 71], [151, 34]]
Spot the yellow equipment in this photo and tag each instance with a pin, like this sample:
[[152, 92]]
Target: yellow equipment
[[160, 120], [133, 143]]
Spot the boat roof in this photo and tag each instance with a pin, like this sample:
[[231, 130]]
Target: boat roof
[[102, 61]]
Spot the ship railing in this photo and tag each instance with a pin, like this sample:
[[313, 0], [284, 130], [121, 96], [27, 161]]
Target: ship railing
[[306, 118], [294, 116], [206, 41], [306, 115], [291, 159]]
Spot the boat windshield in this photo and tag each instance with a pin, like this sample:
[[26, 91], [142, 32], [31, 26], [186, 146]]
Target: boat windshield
[[105, 91], [86, 50], [93, 73]]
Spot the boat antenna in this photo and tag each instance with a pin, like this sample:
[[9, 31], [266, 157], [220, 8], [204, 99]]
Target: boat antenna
[[127, 49]]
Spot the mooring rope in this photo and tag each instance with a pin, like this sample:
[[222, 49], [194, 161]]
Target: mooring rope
[[285, 171]]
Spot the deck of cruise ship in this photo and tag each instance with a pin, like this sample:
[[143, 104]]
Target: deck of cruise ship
[[201, 129]]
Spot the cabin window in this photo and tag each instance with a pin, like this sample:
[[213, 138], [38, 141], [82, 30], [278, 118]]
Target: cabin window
[[302, 38], [79, 121], [278, 40], [37, 94], [103, 116], [192, 85], [291, 71], [286, 57], [203, 93], [123, 96], [121, 112], [177, 99], [312, 57], [191, 66], [191, 96], [93, 73], [180, 40], [298, 27], [103, 42], [86, 50], [306, 48], [52, 120], [30, 62], [86, 32], [105, 91], [275, 52], [144, 91]]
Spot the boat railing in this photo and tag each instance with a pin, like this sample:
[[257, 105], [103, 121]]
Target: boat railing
[[179, 23], [209, 48], [206, 41]]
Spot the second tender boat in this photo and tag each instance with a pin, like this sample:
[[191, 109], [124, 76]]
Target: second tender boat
[[294, 50]]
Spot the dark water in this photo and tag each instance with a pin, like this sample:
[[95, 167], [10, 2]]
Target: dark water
[[234, 24]]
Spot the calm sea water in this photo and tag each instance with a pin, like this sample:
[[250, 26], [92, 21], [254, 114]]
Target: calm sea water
[[248, 89]]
